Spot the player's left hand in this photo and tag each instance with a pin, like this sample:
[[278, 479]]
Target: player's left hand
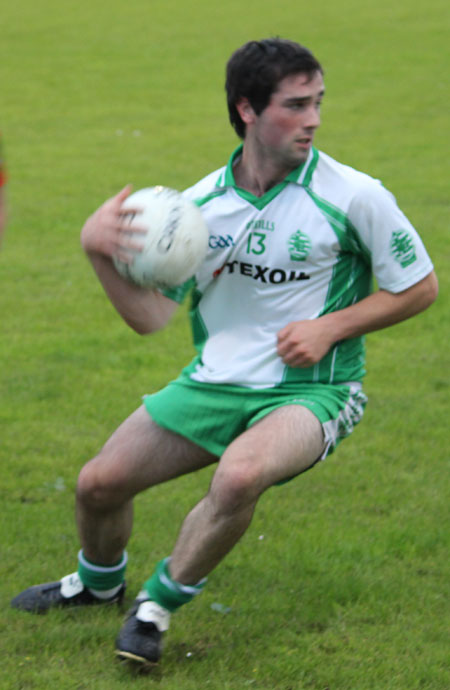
[[304, 343]]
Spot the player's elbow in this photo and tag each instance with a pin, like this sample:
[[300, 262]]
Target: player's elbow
[[144, 327], [139, 328], [431, 289], [425, 293], [150, 314], [147, 324]]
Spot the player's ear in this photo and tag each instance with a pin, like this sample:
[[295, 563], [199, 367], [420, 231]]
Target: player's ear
[[245, 111]]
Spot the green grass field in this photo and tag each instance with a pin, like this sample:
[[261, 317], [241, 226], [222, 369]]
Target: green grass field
[[341, 582]]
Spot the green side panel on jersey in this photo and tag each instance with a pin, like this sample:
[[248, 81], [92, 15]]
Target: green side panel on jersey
[[199, 330], [351, 282], [344, 362], [351, 279], [346, 233], [179, 292]]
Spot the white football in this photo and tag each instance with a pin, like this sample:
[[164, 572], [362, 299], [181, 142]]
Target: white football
[[176, 241]]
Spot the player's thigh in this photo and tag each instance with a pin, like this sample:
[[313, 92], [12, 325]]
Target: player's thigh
[[140, 453], [281, 445]]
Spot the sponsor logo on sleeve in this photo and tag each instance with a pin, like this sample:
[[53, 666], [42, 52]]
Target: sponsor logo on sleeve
[[402, 248]]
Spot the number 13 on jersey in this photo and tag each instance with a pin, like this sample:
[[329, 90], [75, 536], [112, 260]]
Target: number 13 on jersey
[[256, 243]]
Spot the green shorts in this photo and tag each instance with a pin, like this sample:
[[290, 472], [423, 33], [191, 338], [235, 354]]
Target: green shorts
[[212, 416]]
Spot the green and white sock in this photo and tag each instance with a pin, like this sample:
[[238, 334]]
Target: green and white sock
[[167, 592], [103, 581]]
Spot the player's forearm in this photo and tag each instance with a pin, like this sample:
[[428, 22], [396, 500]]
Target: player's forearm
[[144, 310], [382, 309]]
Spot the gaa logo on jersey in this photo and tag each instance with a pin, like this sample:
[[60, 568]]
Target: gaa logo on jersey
[[299, 246], [402, 248]]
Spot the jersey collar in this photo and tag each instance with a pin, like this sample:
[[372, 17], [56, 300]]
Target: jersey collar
[[301, 176]]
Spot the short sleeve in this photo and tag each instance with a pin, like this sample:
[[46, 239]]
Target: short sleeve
[[398, 256]]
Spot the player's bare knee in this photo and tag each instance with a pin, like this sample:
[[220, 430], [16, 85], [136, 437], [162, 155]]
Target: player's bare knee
[[92, 491], [234, 489]]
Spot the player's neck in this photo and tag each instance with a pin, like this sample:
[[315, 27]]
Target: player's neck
[[257, 173]]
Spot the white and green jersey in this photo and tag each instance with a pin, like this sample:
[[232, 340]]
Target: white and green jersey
[[307, 247]]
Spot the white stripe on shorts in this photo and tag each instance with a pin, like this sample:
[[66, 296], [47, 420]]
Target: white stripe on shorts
[[336, 429]]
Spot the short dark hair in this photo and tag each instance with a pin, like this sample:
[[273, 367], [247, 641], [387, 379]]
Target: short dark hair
[[255, 70]]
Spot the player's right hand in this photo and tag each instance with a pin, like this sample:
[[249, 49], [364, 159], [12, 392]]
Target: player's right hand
[[108, 230]]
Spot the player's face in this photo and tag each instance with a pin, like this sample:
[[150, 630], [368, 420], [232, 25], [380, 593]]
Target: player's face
[[285, 129]]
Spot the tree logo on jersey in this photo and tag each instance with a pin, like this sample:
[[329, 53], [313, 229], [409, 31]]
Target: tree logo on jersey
[[299, 246], [402, 248]]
